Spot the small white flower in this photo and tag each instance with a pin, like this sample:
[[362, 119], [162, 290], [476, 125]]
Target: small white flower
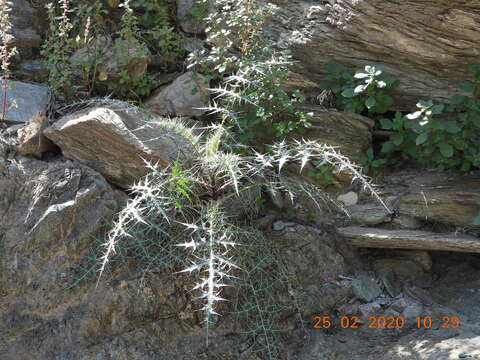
[[415, 115], [359, 89]]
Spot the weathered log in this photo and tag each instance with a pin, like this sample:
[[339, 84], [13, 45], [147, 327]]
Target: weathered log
[[408, 239]]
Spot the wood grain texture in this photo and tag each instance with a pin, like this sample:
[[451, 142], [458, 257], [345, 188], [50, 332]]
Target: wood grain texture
[[408, 239]]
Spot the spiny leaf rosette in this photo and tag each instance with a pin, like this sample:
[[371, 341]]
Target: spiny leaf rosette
[[188, 207]]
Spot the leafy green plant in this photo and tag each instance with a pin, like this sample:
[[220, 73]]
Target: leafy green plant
[[370, 88], [157, 29], [370, 164]]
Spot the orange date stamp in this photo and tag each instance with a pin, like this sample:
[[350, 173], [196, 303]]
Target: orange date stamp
[[386, 322]]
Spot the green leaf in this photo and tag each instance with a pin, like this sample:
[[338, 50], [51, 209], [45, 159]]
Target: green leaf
[[446, 150], [388, 147], [437, 109], [348, 93], [370, 102], [452, 127], [397, 139], [421, 139], [458, 99], [386, 124]]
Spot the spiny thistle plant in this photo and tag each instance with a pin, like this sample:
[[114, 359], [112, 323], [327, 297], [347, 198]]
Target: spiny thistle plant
[[7, 51], [177, 203]]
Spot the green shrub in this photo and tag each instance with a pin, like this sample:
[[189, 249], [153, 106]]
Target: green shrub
[[369, 89], [441, 136]]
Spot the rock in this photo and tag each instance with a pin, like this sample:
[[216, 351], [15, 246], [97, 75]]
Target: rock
[[32, 70], [403, 269], [28, 23], [422, 258], [370, 309], [351, 133], [348, 199], [183, 97], [186, 15], [368, 214], [191, 44], [365, 288], [31, 140], [412, 310], [316, 264], [54, 209], [120, 55], [407, 222], [24, 100], [115, 142], [387, 275], [446, 201], [354, 32], [278, 225]]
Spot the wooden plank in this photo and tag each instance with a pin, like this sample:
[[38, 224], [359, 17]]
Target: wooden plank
[[409, 239]]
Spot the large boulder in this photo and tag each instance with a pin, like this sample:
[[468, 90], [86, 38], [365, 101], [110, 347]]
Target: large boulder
[[425, 44], [187, 95], [351, 133], [117, 143]]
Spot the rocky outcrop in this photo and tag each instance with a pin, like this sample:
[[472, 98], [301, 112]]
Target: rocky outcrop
[[351, 133], [450, 201], [185, 96], [425, 44], [117, 143]]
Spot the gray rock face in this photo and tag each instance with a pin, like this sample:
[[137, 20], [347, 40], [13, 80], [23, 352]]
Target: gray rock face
[[183, 97], [451, 202], [115, 143], [49, 213], [28, 24], [368, 214], [24, 100], [425, 44], [31, 140], [365, 288], [317, 265], [185, 12], [350, 132]]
